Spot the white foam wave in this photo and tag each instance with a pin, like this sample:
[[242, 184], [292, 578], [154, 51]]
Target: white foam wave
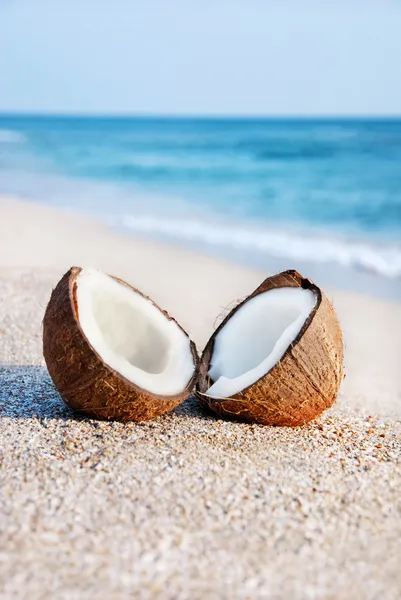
[[9, 136], [382, 259]]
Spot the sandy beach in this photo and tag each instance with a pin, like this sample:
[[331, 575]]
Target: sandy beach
[[188, 506]]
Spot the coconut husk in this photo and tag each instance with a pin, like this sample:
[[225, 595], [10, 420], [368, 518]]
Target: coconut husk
[[306, 380], [84, 381]]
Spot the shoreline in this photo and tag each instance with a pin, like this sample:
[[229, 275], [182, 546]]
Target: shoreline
[[167, 233], [348, 279]]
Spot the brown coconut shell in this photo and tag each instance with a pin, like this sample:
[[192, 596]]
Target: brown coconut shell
[[305, 381], [84, 381]]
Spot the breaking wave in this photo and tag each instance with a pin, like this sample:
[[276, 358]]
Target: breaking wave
[[383, 259]]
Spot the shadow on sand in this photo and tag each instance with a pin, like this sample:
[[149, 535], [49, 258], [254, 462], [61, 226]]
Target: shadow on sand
[[27, 392]]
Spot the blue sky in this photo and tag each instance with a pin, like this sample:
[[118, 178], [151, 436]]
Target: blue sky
[[201, 56]]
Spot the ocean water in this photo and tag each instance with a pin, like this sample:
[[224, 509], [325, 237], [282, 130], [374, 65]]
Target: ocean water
[[324, 195]]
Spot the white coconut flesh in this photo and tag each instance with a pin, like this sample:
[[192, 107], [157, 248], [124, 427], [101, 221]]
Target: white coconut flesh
[[132, 336], [256, 337]]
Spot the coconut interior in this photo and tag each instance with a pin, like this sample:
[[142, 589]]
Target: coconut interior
[[256, 337], [132, 336]]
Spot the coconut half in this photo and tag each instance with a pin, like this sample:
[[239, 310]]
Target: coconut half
[[112, 352], [277, 358]]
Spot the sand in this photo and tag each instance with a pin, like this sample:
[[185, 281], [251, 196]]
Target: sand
[[188, 506]]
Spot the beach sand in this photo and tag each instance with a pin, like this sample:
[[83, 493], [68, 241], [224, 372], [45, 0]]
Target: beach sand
[[188, 506]]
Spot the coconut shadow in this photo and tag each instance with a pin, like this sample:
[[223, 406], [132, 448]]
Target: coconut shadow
[[191, 408], [27, 392]]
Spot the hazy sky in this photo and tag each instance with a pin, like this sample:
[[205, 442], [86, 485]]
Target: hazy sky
[[201, 56]]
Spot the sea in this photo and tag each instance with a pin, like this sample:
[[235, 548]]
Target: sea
[[320, 195]]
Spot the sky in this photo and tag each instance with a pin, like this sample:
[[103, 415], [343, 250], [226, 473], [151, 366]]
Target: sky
[[229, 57]]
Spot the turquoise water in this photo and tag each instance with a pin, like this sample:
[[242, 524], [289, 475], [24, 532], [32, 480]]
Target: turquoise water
[[326, 192]]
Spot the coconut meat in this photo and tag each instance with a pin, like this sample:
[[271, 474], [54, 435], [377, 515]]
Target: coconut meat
[[255, 338], [132, 336]]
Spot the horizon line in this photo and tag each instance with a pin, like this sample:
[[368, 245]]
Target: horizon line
[[201, 116]]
